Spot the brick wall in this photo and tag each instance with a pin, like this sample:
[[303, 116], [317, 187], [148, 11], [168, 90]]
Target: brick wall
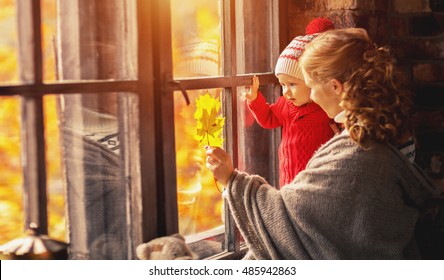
[[419, 42], [415, 31]]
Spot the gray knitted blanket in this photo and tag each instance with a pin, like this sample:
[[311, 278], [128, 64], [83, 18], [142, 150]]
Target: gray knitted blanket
[[349, 203]]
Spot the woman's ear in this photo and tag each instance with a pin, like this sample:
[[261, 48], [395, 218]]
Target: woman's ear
[[337, 86]]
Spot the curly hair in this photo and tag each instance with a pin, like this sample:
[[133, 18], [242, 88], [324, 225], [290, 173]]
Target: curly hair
[[375, 98]]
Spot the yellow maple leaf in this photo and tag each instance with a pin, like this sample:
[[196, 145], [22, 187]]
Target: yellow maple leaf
[[209, 123]]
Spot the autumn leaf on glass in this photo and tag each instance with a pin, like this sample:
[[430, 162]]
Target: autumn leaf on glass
[[209, 123]]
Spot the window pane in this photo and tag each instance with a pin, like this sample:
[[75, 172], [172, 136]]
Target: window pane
[[8, 43], [196, 36], [55, 190], [49, 26], [11, 180], [256, 35], [199, 198], [95, 172], [11, 210], [259, 158], [208, 243], [92, 40]]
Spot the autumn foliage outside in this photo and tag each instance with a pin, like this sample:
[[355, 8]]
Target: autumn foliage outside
[[200, 124], [11, 212]]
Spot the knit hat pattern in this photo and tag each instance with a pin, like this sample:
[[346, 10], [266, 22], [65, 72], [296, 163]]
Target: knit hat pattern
[[288, 61]]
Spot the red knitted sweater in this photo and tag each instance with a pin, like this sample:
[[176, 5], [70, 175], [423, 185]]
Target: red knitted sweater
[[304, 129]]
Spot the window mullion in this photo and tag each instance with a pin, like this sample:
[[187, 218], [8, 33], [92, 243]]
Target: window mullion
[[33, 162], [230, 110], [32, 120], [149, 203], [37, 46], [164, 120]]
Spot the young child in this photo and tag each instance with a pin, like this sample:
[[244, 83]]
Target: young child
[[305, 126]]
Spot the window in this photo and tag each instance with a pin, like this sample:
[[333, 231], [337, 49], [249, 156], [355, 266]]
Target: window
[[107, 94], [217, 45]]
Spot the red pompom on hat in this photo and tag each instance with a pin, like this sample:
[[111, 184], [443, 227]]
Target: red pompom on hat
[[288, 61], [319, 25]]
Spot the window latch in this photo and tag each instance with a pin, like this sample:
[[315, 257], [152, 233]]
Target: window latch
[[181, 88]]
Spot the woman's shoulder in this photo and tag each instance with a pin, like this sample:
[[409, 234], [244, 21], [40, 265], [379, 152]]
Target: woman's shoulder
[[342, 166], [341, 151]]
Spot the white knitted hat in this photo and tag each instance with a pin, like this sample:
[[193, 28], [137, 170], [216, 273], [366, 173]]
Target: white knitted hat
[[288, 61]]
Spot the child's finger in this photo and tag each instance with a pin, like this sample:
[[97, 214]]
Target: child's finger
[[255, 82]]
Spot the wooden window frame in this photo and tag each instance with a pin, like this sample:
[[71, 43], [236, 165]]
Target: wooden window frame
[[229, 82], [154, 87]]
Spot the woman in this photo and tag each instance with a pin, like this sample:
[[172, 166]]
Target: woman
[[359, 195]]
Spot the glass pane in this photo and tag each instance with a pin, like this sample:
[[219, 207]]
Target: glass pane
[[95, 171], [55, 190], [89, 40], [256, 35], [199, 198], [196, 37], [260, 158], [208, 244], [49, 26], [8, 43], [11, 192]]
